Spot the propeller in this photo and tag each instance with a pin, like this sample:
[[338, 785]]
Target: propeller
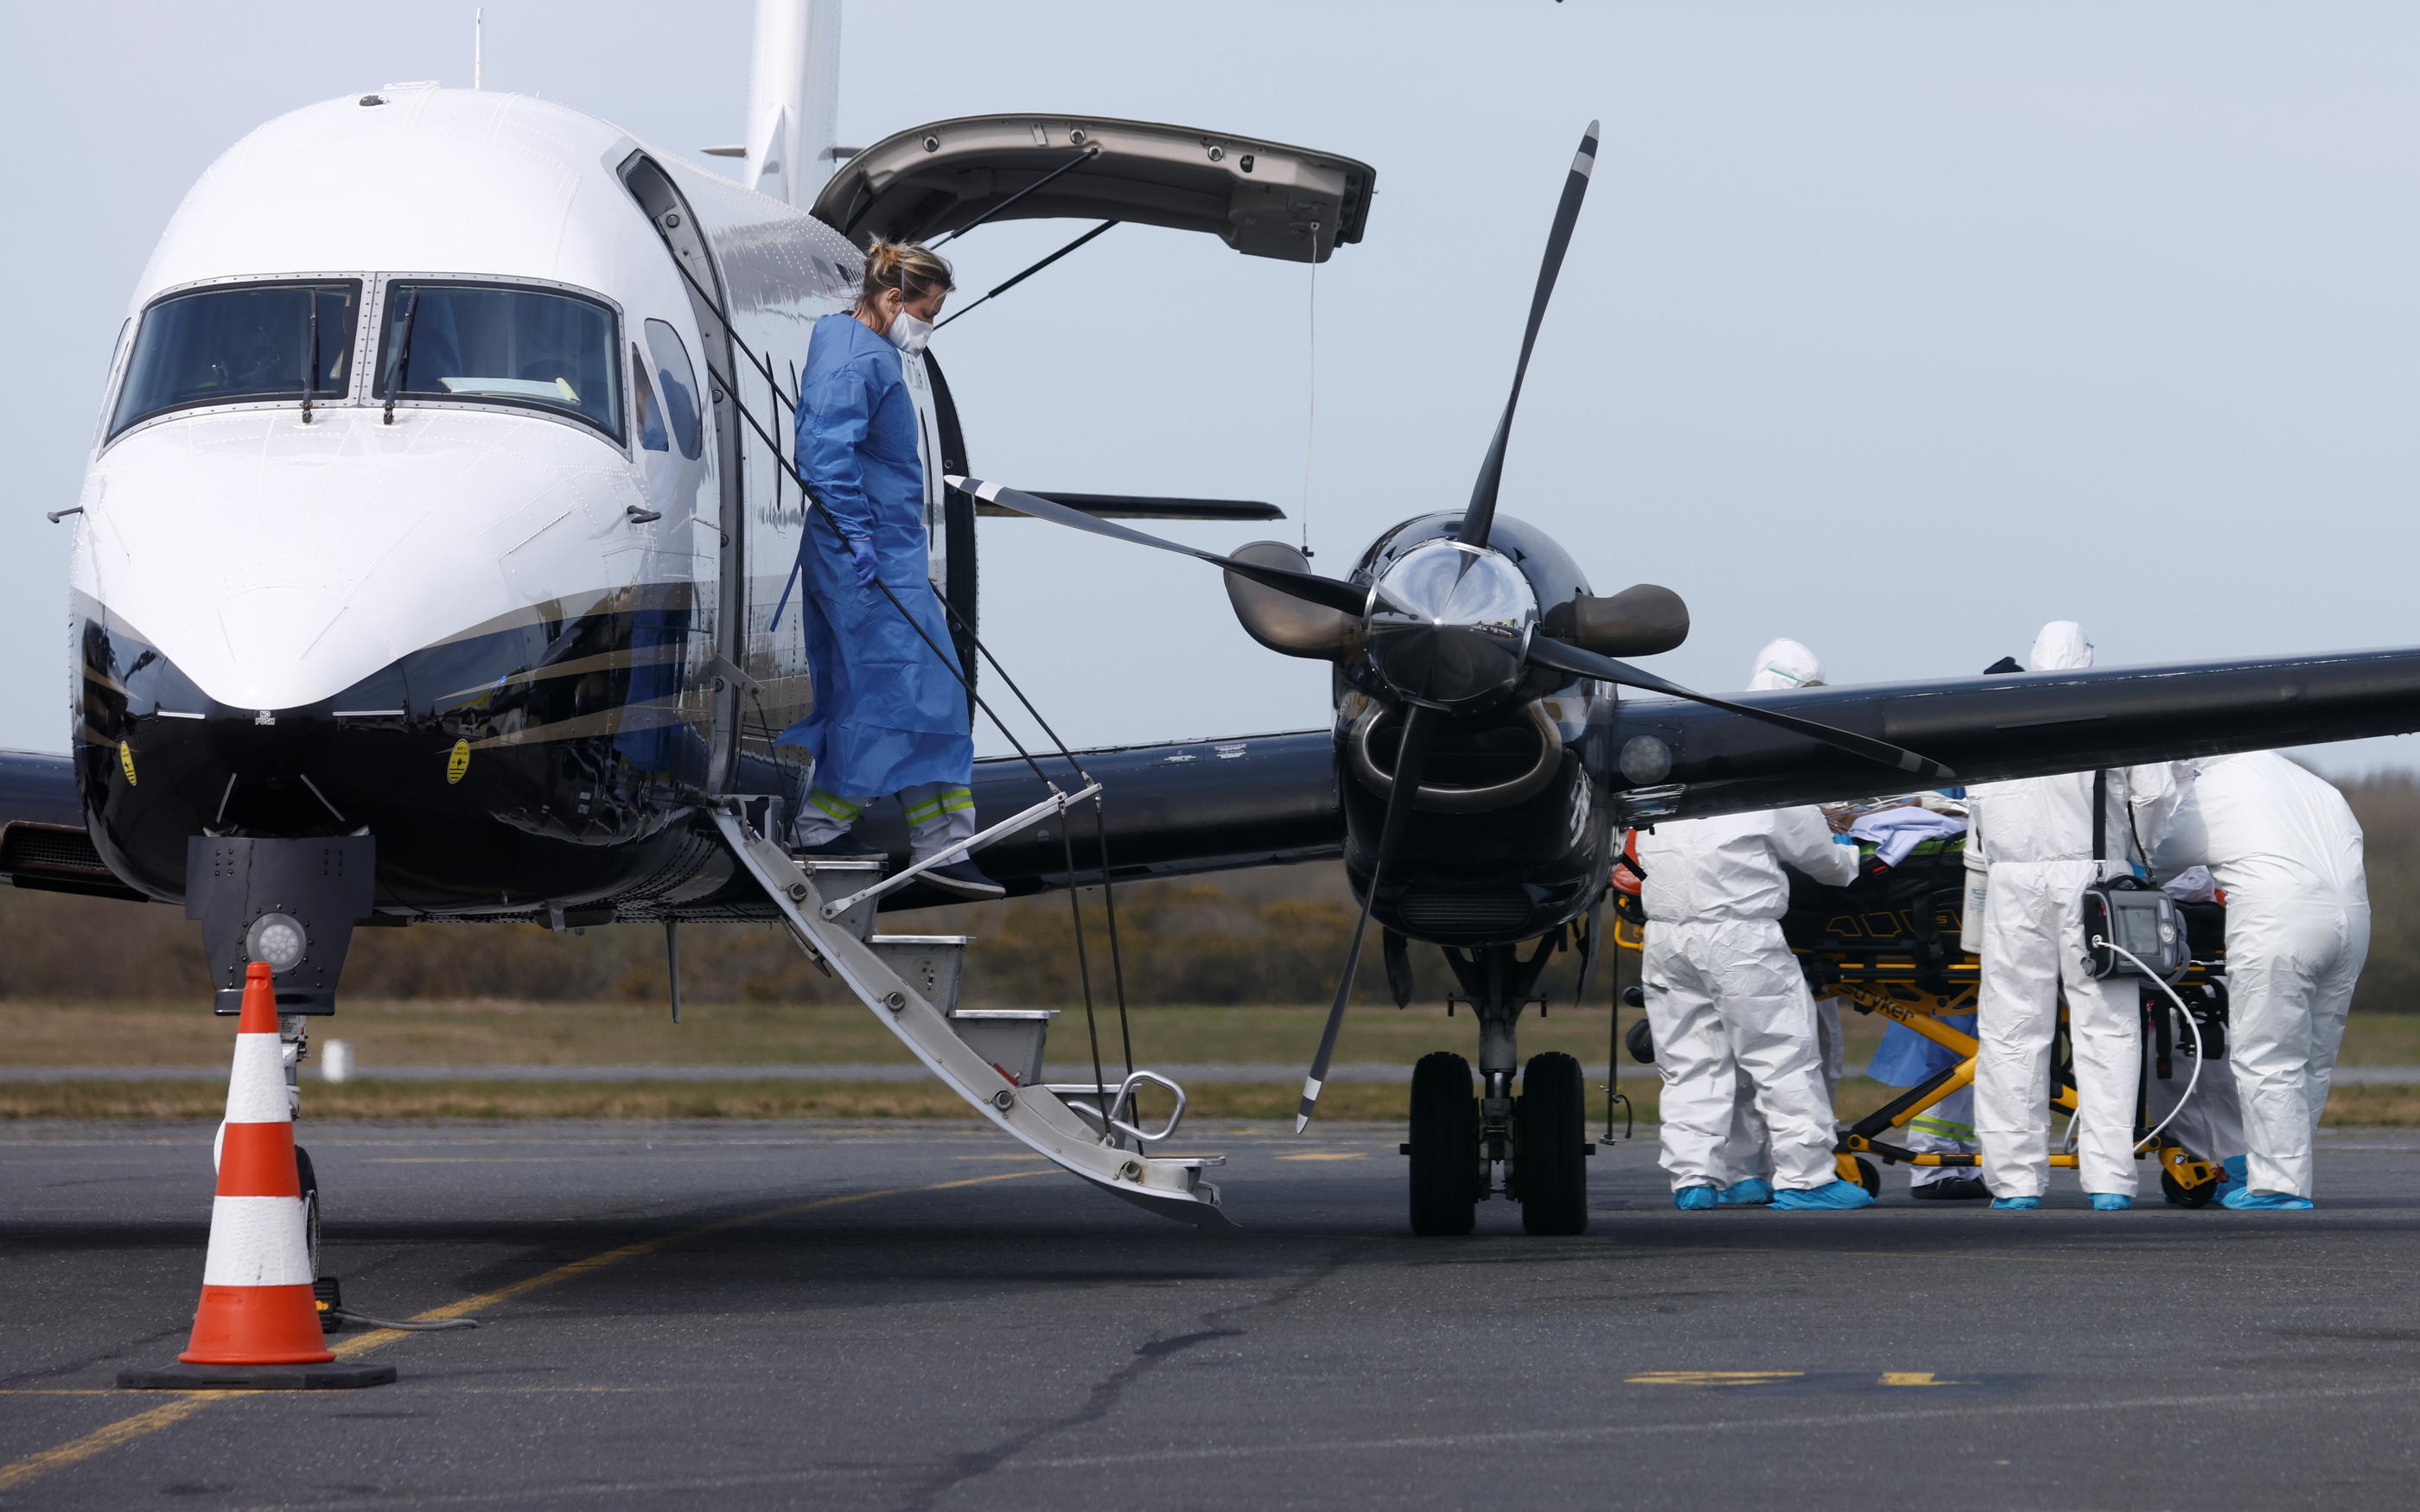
[[1411, 763], [1561, 658], [1454, 624], [1329, 592], [1481, 518]]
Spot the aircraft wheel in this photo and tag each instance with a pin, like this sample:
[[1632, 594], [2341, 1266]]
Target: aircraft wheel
[[309, 1180], [1444, 1147], [1549, 1144]]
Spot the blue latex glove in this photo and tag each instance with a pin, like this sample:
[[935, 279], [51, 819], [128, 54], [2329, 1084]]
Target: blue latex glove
[[860, 556]]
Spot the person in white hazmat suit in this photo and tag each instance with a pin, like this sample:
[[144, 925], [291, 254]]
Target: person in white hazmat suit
[[2037, 836], [1725, 997], [2286, 848]]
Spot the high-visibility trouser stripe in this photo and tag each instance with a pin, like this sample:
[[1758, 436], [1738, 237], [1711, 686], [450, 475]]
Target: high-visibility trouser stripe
[[1943, 1128], [950, 800], [257, 1084], [844, 810], [256, 1160], [258, 1241]]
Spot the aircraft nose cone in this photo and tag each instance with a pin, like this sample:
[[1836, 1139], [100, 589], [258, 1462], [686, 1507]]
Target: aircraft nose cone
[[270, 634]]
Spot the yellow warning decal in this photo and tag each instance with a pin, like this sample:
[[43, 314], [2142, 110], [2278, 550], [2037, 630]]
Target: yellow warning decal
[[126, 761], [456, 765]]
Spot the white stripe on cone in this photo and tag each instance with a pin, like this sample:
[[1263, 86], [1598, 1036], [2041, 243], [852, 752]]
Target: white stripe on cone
[[258, 1241], [256, 1082]]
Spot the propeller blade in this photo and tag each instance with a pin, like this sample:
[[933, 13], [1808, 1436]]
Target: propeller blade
[[1588, 664], [1411, 764], [1328, 593], [1480, 518]]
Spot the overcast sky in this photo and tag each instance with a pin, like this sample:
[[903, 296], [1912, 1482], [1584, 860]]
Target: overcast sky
[[1898, 327]]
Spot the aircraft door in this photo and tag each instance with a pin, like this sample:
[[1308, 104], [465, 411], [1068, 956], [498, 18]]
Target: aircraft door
[[720, 595]]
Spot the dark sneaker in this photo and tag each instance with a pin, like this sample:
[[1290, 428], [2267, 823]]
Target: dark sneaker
[[1952, 1189], [963, 879], [843, 847]]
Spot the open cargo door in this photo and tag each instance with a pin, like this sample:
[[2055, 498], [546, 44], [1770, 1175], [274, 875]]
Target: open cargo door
[[1261, 198]]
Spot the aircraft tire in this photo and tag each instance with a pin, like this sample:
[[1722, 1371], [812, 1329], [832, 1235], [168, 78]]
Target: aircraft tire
[[1444, 1147], [309, 1182], [1549, 1144]]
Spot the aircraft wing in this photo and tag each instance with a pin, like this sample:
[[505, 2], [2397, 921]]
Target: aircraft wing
[[1989, 729], [43, 843], [1172, 810]]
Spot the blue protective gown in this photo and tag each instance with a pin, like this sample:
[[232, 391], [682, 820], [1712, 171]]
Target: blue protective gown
[[889, 713]]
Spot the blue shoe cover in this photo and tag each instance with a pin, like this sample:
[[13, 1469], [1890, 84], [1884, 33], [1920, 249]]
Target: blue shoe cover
[[1753, 1193], [2111, 1202], [1694, 1198], [2016, 1204], [2235, 1178], [2248, 1198], [1830, 1195]]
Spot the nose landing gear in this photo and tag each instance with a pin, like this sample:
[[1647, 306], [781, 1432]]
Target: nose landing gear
[[1531, 1148]]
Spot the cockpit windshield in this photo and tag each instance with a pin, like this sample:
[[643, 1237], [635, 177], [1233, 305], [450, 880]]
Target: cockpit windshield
[[497, 343], [241, 343]]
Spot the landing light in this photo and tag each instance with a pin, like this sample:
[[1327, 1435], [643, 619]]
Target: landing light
[[276, 941]]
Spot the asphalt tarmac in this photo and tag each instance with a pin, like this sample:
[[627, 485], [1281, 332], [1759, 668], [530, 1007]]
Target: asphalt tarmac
[[734, 1316]]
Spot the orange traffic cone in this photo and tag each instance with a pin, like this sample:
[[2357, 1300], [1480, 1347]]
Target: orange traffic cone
[[257, 1327]]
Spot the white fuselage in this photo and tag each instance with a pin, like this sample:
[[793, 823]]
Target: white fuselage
[[431, 506]]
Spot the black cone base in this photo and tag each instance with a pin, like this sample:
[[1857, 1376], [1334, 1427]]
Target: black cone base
[[337, 1375]]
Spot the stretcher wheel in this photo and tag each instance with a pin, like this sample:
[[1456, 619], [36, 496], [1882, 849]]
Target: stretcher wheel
[[1444, 1147], [1640, 1043], [1550, 1144], [2182, 1195], [1869, 1178]]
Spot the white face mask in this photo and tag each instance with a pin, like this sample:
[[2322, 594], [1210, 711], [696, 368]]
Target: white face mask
[[908, 333]]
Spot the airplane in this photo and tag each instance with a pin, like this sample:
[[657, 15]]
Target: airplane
[[427, 565]]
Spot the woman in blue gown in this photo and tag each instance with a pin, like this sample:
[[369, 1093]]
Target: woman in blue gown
[[890, 712]]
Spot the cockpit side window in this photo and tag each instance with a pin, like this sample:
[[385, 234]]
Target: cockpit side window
[[651, 415], [241, 343], [502, 344], [679, 382]]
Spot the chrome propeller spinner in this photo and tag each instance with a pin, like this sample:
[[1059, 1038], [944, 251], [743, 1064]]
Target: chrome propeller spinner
[[1449, 624]]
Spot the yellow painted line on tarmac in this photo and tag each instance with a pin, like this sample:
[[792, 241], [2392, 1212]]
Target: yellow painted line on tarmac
[[185, 1404], [1712, 1378], [1916, 1377], [174, 1410], [1328, 1155]]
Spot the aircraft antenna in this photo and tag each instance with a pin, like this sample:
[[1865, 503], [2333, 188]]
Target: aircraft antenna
[[479, 48]]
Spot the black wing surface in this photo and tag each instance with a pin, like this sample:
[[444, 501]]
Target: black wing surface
[[1177, 808], [1991, 729], [43, 843]]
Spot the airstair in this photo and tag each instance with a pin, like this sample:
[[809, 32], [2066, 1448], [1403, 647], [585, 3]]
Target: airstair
[[991, 1057]]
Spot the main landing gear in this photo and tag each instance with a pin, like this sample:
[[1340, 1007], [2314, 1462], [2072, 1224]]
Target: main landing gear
[[1533, 1147]]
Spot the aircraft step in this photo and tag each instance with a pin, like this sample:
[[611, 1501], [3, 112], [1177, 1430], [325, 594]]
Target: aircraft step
[[910, 982]]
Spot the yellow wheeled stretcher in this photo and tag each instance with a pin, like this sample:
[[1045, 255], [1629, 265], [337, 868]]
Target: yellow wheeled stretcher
[[1888, 943]]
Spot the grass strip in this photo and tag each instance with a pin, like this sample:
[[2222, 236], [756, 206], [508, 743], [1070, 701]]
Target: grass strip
[[2370, 1106]]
